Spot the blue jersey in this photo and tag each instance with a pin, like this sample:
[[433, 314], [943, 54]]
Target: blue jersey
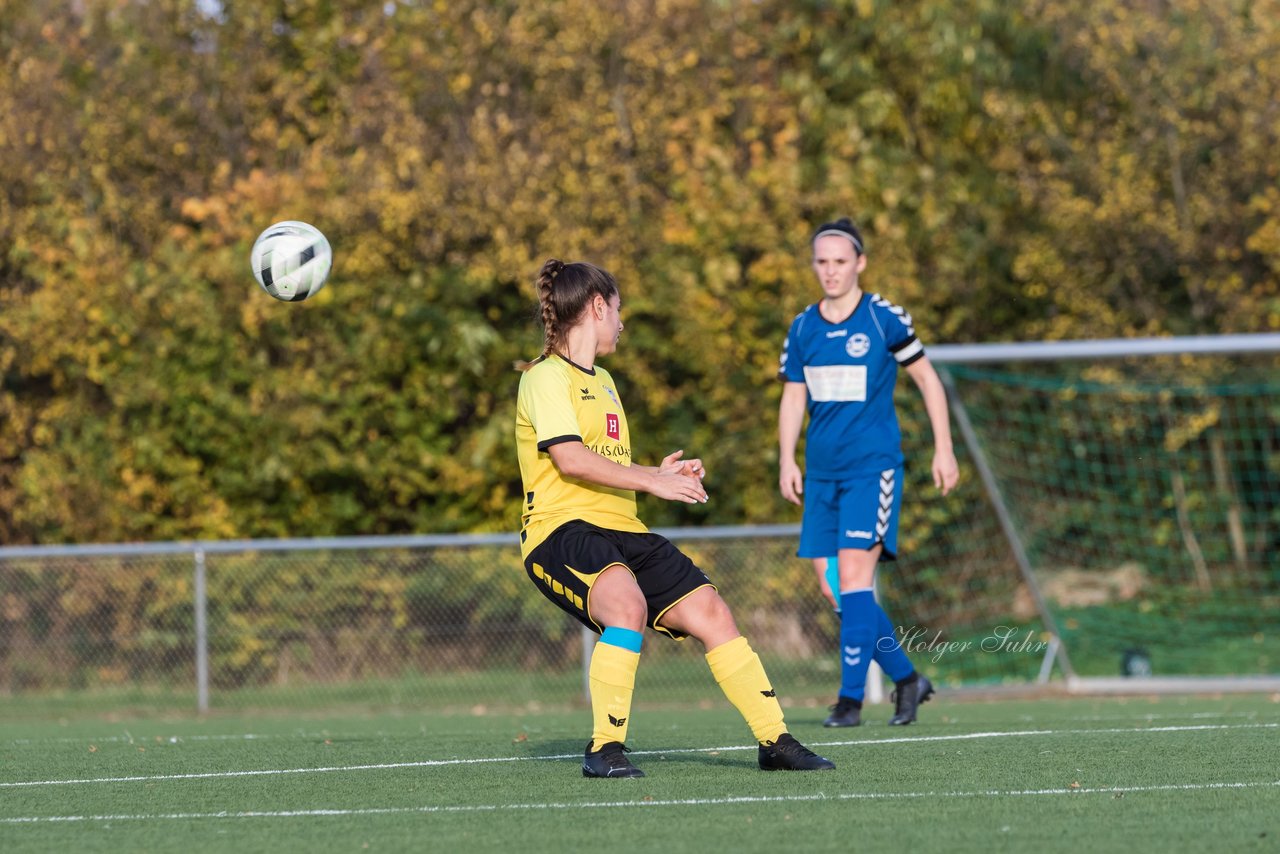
[[849, 370]]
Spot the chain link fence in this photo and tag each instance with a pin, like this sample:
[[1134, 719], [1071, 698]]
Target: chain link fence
[[422, 623]]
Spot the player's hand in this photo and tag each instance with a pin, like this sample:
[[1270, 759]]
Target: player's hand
[[945, 471], [672, 462], [791, 482], [678, 479], [674, 485]]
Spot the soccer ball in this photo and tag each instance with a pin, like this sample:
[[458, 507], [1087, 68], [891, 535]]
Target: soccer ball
[[291, 260]]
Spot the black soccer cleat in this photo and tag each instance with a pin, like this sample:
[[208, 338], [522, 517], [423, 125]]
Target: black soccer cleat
[[787, 754], [907, 698], [609, 761], [846, 712]]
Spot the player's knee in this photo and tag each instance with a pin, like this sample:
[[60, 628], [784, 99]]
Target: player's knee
[[624, 609], [711, 617], [635, 611]]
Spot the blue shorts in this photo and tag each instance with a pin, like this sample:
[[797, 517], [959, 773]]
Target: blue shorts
[[856, 513]]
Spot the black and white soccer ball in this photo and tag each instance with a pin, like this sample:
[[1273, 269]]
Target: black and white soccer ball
[[291, 260]]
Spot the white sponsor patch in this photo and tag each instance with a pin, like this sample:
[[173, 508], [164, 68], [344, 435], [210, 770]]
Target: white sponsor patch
[[836, 382]]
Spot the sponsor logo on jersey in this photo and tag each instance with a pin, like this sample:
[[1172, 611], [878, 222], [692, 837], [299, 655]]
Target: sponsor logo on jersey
[[613, 426], [838, 333], [857, 345], [586, 394]]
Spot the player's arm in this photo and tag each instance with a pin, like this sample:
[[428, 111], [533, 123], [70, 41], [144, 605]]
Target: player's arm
[[790, 419], [669, 481], [945, 470]]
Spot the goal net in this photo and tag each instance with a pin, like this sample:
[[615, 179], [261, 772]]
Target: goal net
[[1141, 502]]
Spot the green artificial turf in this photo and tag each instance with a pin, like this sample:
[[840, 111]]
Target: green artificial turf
[[1135, 774]]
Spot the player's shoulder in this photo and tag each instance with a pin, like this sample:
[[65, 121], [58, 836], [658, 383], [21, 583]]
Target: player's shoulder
[[607, 381], [544, 371], [804, 319], [550, 366], [886, 309]]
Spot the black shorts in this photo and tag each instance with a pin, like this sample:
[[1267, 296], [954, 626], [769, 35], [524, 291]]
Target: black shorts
[[566, 564]]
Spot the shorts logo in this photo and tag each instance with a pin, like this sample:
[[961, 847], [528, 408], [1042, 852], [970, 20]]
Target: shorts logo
[[858, 535], [857, 345], [613, 426]]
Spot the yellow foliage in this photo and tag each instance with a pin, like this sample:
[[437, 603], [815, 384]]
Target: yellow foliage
[[1055, 171]]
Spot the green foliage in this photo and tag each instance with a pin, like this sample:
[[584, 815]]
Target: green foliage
[[1049, 171]]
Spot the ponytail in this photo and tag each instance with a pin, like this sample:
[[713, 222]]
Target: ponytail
[[563, 293]]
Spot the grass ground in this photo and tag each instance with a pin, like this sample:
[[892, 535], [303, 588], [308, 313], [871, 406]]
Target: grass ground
[[1136, 774]]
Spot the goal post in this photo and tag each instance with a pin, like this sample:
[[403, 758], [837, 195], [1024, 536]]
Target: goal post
[[1136, 487]]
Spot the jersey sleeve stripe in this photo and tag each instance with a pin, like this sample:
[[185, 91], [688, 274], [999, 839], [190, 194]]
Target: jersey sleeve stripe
[[909, 351], [557, 440], [896, 310]]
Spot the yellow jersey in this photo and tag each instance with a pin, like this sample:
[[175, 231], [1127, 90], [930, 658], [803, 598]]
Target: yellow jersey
[[560, 401]]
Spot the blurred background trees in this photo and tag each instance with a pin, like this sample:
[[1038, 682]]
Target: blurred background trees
[[1021, 171]]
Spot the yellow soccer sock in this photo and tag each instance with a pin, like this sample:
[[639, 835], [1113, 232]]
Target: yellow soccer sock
[[612, 678], [742, 678]]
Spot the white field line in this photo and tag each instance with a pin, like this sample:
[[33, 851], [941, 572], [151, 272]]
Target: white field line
[[432, 763], [177, 738], [682, 802]]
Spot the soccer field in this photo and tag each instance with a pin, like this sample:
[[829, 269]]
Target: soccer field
[[1137, 774]]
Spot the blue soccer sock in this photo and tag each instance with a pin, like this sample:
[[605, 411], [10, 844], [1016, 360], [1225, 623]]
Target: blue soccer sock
[[889, 653], [858, 630]]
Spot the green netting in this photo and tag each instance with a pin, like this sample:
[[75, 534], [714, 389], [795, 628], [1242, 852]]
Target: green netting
[[1147, 495]]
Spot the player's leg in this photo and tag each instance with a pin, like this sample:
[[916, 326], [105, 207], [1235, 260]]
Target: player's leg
[[822, 529], [581, 570], [735, 665], [684, 603], [910, 689], [858, 631], [618, 606], [888, 651], [828, 572]]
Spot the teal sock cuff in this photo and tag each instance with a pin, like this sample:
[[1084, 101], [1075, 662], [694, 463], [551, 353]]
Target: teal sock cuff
[[620, 637]]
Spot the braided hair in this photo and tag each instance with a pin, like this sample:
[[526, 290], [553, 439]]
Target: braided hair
[[564, 290]]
